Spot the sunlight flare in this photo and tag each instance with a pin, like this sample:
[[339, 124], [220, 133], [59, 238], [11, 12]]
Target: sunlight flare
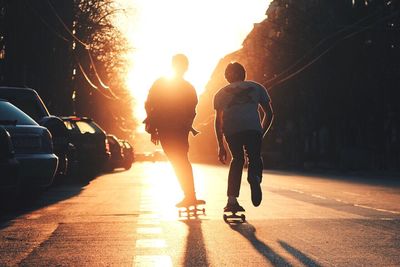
[[205, 31]]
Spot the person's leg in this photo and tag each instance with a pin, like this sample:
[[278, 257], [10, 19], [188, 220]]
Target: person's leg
[[253, 142], [235, 144], [176, 148], [184, 173], [253, 149]]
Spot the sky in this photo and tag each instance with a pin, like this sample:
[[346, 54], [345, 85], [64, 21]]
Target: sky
[[204, 30]]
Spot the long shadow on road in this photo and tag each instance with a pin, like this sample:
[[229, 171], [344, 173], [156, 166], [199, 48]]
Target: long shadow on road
[[248, 231], [303, 258], [195, 250]]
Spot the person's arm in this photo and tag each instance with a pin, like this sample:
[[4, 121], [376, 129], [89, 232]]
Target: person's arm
[[220, 136], [149, 125], [268, 117]]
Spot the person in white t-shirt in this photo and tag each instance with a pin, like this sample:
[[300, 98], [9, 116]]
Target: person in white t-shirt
[[238, 106]]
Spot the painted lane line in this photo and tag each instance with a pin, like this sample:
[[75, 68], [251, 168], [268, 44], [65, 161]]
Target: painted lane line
[[297, 191], [371, 208], [152, 261], [149, 216], [342, 201], [148, 222], [387, 219], [149, 230], [318, 196], [151, 243]]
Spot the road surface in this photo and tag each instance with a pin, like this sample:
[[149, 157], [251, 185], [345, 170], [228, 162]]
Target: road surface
[[127, 218]]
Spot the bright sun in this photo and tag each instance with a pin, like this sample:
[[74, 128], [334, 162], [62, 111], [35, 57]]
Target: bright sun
[[204, 30]]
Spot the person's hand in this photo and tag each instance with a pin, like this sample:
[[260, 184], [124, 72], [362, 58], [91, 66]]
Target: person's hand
[[222, 154], [155, 139]]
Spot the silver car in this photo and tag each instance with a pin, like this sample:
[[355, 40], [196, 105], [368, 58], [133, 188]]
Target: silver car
[[32, 145]]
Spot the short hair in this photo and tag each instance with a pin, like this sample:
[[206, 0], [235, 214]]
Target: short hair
[[235, 72]]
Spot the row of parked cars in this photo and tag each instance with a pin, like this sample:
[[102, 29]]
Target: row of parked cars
[[36, 147]]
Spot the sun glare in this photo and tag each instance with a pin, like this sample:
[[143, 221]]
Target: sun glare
[[203, 30]]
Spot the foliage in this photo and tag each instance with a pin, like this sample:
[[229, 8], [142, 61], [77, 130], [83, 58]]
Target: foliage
[[101, 47]]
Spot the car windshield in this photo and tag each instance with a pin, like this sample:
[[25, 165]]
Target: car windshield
[[28, 105], [69, 125], [85, 127], [9, 113], [127, 145]]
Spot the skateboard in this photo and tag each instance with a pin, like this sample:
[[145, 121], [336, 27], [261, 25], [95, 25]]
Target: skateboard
[[192, 209], [233, 216]]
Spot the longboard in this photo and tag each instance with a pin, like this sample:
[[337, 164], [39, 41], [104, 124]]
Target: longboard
[[233, 216], [192, 209]]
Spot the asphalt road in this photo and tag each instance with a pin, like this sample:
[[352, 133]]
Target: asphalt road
[[127, 218]]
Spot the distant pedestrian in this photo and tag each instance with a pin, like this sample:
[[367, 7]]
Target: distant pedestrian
[[237, 107], [171, 108]]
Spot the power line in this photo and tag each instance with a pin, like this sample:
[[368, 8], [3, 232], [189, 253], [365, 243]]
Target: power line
[[316, 46], [87, 48], [95, 70], [330, 48], [91, 83], [98, 76], [65, 26]]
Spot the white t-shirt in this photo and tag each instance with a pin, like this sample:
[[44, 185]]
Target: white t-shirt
[[239, 102]]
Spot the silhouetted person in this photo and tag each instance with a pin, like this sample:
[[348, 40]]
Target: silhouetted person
[[171, 108], [237, 118]]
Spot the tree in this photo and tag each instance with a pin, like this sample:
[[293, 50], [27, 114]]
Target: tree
[[98, 50]]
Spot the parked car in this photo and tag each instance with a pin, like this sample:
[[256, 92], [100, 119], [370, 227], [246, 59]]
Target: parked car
[[29, 101], [129, 154], [32, 144], [89, 141], [9, 180], [116, 148], [122, 155]]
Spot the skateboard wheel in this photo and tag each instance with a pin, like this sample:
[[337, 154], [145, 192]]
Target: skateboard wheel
[[243, 217], [225, 218], [204, 211]]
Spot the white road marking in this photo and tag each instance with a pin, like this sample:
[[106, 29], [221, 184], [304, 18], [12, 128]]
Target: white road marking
[[149, 230], [147, 222], [146, 209], [318, 196], [387, 219], [371, 208], [297, 191], [152, 261], [151, 243], [342, 201], [149, 216]]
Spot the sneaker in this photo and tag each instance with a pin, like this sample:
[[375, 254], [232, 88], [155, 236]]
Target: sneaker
[[256, 193], [235, 207]]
